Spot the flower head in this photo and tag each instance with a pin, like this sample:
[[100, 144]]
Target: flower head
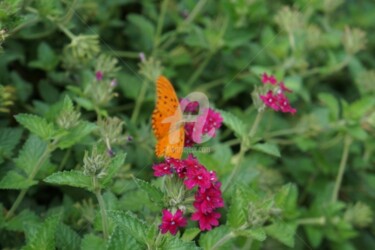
[[206, 220], [268, 79], [171, 222], [99, 75]]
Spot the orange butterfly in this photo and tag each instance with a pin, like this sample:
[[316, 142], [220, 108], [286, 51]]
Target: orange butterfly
[[167, 121]]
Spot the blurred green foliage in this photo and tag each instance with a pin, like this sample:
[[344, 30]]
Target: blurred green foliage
[[306, 182]]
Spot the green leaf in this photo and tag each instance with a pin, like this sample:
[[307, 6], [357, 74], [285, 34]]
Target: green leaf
[[113, 167], [121, 240], [255, 233], [283, 232], [131, 224], [76, 134], [234, 123], [331, 102], [45, 236], [209, 239], [14, 180], [236, 216], [358, 109], [315, 235], [9, 138], [17, 222], [31, 154], [286, 199], [267, 148], [154, 193], [171, 242], [141, 29], [47, 59], [67, 238], [72, 178], [92, 242], [37, 125], [190, 234]]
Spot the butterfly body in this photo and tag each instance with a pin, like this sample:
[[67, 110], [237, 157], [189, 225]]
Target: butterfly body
[[167, 121]]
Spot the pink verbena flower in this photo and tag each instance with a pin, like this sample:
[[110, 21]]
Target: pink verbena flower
[[209, 199], [268, 79], [206, 220], [99, 75], [207, 122], [270, 100], [171, 222], [162, 169], [276, 98]]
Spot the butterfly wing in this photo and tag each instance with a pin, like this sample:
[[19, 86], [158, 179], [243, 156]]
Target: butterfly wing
[[166, 121]]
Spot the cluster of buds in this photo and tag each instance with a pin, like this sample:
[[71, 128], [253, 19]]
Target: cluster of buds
[[207, 199]]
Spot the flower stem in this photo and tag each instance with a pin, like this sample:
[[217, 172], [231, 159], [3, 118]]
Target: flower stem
[[312, 221], [139, 102], [103, 211], [199, 71], [66, 32], [31, 176], [244, 147], [159, 27], [344, 158]]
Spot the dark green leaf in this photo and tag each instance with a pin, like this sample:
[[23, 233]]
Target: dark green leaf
[[155, 194], [37, 125], [234, 123], [267, 148], [72, 178], [283, 232], [114, 166], [92, 242], [121, 240], [14, 180], [67, 238]]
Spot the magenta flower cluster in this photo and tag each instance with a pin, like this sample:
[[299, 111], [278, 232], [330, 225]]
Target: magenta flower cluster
[[207, 122], [276, 98], [208, 196]]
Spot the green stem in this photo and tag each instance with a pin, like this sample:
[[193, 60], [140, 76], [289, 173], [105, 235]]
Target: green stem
[[67, 32], [197, 9], [103, 211], [65, 159], [159, 27], [244, 147], [344, 158], [31, 176], [312, 221], [199, 71], [120, 53], [139, 102]]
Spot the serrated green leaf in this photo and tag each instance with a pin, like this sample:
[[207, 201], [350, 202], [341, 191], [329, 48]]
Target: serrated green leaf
[[331, 102], [36, 125], [47, 59], [171, 242], [113, 167], [9, 138], [17, 222], [67, 238], [155, 194], [76, 134], [283, 232], [211, 238], [236, 216], [121, 240], [44, 239], [234, 123], [190, 234], [14, 180], [357, 109], [286, 198], [131, 224], [267, 148], [255, 233], [31, 154], [315, 235], [72, 178], [92, 242]]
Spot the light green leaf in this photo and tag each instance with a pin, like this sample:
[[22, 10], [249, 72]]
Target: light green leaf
[[131, 224], [255, 233], [30, 155], [14, 180], [286, 198], [190, 234], [155, 194], [267, 148], [37, 125], [236, 216], [209, 239], [17, 222], [114, 166], [67, 238], [76, 134], [44, 239], [171, 242], [283, 232], [358, 109], [331, 102], [72, 178], [92, 242], [121, 240], [234, 123]]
